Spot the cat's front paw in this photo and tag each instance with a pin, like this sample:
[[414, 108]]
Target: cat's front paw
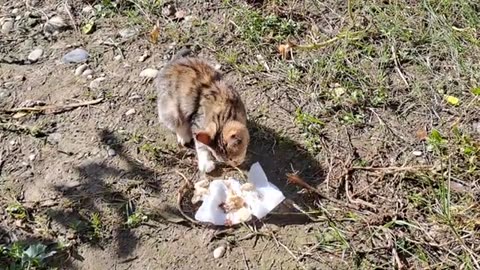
[[206, 165]]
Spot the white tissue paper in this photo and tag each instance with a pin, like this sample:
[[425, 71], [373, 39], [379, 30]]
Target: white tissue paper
[[227, 202]]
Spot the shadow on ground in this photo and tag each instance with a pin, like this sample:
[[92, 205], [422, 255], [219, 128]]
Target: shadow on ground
[[277, 155]]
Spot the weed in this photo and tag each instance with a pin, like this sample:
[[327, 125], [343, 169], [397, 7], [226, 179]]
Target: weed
[[134, 217], [256, 28], [435, 141], [96, 226], [17, 211], [20, 256], [312, 129], [351, 118]]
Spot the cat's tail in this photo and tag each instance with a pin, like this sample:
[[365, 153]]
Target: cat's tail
[[183, 52]]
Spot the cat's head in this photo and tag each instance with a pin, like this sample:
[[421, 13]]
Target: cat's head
[[228, 145]]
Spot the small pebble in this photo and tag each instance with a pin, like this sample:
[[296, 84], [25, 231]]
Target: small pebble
[[117, 57], [476, 127], [71, 184], [15, 11], [7, 26], [135, 97], [218, 66], [149, 73], [87, 72], [80, 69], [32, 22], [219, 252], [144, 56], [35, 55], [32, 157], [54, 138], [55, 24], [78, 55], [130, 112], [87, 9], [111, 152], [168, 10], [96, 83], [128, 32], [417, 153]]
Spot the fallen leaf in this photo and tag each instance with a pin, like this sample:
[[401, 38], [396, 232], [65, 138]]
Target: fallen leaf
[[154, 34], [452, 100], [19, 115], [88, 28], [421, 134], [285, 49], [476, 91]]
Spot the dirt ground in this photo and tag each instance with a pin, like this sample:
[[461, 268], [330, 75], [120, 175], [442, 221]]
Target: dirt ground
[[374, 104]]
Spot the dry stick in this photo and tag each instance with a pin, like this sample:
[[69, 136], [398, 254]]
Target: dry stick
[[382, 169], [67, 9], [181, 192], [245, 259], [392, 169], [294, 179], [397, 67], [357, 200], [53, 109], [289, 251]]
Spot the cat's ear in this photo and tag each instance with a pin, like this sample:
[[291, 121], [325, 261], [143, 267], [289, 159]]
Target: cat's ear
[[204, 138]]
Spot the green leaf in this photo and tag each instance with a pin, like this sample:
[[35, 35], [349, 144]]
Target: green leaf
[[435, 136], [35, 250], [452, 100], [476, 91], [89, 27]]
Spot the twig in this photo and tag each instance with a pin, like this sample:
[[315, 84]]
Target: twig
[[52, 109], [357, 200], [397, 259], [296, 180], [67, 9], [393, 168], [348, 35], [289, 252], [397, 67], [245, 259], [309, 252], [181, 192]]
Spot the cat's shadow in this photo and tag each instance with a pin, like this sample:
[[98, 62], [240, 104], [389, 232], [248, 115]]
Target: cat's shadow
[[279, 155]]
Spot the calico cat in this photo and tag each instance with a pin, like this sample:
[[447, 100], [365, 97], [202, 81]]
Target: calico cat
[[196, 103]]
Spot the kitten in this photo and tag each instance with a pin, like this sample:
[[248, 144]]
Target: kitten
[[196, 103]]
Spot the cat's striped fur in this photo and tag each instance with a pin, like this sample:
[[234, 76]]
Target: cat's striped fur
[[195, 102]]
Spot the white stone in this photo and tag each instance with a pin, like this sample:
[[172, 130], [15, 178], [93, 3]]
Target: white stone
[[219, 252], [149, 73], [96, 83], [7, 26], [35, 55], [87, 73], [56, 22], [130, 112], [417, 153], [80, 69]]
